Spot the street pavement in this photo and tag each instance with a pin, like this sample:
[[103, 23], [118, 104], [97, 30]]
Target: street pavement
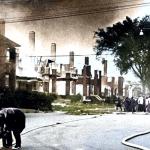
[[85, 132]]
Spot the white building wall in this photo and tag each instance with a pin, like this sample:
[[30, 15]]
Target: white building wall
[[40, 87], [79, 89], [61, 87], [50, 86]]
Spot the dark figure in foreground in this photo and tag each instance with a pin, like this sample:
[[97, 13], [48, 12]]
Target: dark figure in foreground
[[11, 120]]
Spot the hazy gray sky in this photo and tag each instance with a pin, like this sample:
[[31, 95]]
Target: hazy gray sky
[[71, 25]]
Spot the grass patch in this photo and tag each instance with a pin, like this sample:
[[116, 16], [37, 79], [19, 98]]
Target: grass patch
[[78, 108]]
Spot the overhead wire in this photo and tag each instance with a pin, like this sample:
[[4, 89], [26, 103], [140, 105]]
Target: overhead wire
[[62, 8], [76, 55], [106, 9], [75, 13]]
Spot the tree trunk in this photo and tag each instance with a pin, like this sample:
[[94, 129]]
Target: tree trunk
[[144, 88]]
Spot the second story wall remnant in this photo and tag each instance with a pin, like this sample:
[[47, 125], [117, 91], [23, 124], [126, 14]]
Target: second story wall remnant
[[7, 61]]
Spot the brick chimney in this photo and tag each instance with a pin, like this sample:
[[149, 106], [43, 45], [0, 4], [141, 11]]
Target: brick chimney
[[120, 86], [71, 60], [32, 40], [2, 27], [86, 60], [104, 62], [53, 51]]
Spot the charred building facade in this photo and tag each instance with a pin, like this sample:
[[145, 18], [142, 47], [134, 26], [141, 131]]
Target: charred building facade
[[64, 79], [8, 55]]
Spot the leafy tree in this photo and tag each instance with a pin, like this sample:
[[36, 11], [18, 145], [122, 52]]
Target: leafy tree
[[131, 50]]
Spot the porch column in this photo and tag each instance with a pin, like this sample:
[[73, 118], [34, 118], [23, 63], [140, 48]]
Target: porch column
[[95, 82], [100, 83], [53, 80], [67, 83], [84, 82]]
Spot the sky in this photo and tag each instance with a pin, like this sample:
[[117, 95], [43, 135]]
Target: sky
[[74, 33]]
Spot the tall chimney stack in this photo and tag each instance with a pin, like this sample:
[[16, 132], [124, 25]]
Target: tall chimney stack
[[104, 62], [120, 86], [86, 60], [32, 40], [53, 51], [2, 27], [71, 61]]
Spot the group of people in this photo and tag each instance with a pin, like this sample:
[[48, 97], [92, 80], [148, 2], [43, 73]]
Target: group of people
[[12, 120], [133, 104]]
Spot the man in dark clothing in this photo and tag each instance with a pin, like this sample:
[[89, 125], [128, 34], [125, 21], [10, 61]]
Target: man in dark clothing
[[11, 119], [126, 104], [133, 104], [118, 104]]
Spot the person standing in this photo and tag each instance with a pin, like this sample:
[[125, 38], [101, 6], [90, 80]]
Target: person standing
[[133, 104], [126, 104], [118, 104], [140, 103], [12, 120], [148, 104], [144, 104]]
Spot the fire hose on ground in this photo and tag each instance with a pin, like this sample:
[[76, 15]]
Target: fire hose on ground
[[126, 139]]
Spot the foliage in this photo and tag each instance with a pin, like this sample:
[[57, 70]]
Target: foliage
[[63, 96], [30, 100], [53, 96], [73, 98], [7, 99], [130, 49], [110, 100]]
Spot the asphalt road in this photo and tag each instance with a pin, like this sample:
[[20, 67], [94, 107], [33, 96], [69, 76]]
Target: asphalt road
[[66, 132]]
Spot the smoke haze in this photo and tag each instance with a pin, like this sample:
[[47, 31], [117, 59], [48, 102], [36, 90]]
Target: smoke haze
[[68, 23]]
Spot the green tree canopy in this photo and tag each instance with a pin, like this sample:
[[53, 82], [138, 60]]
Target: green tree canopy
[[131, 50]]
